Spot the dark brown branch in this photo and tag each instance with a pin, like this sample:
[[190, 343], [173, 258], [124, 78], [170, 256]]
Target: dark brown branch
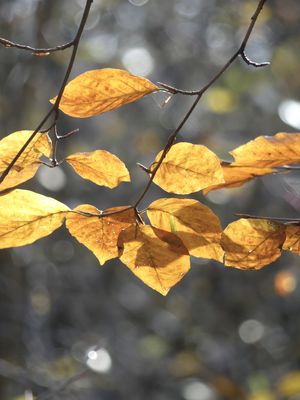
[[199, 94], [35, 50], [285, 221], [55, 107], [63, 385]]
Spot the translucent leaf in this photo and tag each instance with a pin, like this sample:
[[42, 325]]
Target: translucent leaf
[[95, 92], [292, 241], [188, 168], [100, 167], [196, 225], [269, 151], [26, 216], [29, 161], [99, 234], [252, 243], [235, 176], [156, 257]]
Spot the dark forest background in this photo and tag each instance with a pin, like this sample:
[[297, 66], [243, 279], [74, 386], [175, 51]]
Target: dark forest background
[[221, 333]]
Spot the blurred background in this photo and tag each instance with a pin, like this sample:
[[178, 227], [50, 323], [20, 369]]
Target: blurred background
[[221, 333]]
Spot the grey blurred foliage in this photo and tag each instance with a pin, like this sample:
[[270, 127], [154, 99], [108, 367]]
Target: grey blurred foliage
[[221, 333]]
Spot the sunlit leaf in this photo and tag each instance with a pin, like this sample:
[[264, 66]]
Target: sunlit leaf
[[292, 241], [99, 234], [100, 167], [157, 257], [188, 168], [196, 225], [269, 151], [95, 92], [29, 161], [235, 176], [26, 216], [252, 243]]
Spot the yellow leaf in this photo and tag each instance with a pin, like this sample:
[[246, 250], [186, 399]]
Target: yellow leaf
[[196, 225], [95, 92], [292, 241], [29, 161], [289, 385], [188, 168], [156, 257], [26, 216], [235, 176], [99, 234], [269, 151], [252, 243], [100, 167]]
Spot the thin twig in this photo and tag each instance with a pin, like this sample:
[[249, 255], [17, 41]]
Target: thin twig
[[54, 109], [199, 94], [283, 220], [63, 385], [35, 50]]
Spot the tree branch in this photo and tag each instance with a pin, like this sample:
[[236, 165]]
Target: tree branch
[[35, 50], [55, 107], [199, 94]]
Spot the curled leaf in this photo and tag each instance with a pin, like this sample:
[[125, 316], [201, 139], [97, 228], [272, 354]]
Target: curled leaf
[[99, 234], [158, 258], [196, 225], [188, 168], [29, 161], [235, 176], [95, 92], [252, 243], [26, 216], [100, 167]]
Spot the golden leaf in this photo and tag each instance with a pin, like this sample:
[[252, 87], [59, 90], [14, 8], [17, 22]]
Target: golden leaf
[[29, 161], [235, 176], [95, 92], [196, 225], [292, 241], [157, 257], [26, 216], [289, 385], [252, 243], [99, 234], [100, 167], [188, 168], [269, 151]]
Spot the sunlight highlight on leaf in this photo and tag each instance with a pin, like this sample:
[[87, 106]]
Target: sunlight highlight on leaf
[[97, 91], [157, 257], [196, 225], [26, 216], [188, 168], [99, 234], [100, 167], [252, 243]]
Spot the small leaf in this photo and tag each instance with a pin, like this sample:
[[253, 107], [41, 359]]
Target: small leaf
[[269, 151], [99, 234], [95, 92], [29, 161], [26, 216], [156, 257], [196, 225], [188, 168], [235, 176], [252, 243], [292, 241], [100, 167]]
